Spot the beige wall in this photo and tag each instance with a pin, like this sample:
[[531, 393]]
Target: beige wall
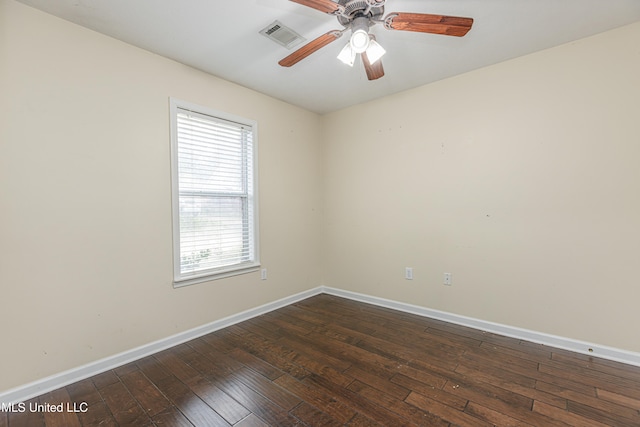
[[85, 216], [521, 179]]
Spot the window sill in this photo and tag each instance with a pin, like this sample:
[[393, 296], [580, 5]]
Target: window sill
[[220, 274]]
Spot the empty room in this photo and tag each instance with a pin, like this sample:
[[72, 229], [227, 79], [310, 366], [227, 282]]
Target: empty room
[[318, 212]]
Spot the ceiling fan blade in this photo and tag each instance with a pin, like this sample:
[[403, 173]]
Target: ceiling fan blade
[[326, 6], [424, 23], [375, 70], [309, 48]]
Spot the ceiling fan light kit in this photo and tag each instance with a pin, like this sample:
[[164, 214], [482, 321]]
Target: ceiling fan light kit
[[358, 16], [359, 34], [374, 52]]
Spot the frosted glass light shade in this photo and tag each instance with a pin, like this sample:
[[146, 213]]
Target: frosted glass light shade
[[359, 41], [347, 55], [375, 51]]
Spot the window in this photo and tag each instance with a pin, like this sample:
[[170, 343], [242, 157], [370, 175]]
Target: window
[[213, 194]]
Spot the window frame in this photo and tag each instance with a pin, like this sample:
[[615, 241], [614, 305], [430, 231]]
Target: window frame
[[189, 278]]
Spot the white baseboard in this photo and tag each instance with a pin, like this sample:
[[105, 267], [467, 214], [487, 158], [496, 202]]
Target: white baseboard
[[36, 388], [53, 382], [582, 347]]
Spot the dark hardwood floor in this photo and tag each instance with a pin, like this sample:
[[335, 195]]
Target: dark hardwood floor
[[328, 361]]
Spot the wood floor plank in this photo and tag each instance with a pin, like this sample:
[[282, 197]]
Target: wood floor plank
[[595, 363], [308, 316], [329, 361], [405, 355], [382, 384], [410, 344], [594, 407], [265, 387], [439, 394], [205, 364], [600, 415], [251, 421], [434, 378], [449, 337], [317, 362], [620, 399], [174, 364], [565, 382], [64, 417], [227, 407], [145, 392], [363, 405], [124, 369], [318, 398], [305, 347], [312, 416], [482, 355], [258, 404], [97, 415], [296, 354], [104, 379], [262, 328], [256, 364], [288, 324], [347, 332], [399, 406], [503, 401], [355, 354], [494, 417], [220, 340], [445, 412], [189, 404], [536, 353], [495, 375], [153, 369], [522, 372], [264, 349], [171, 417], [28, 418], [194, 349], [360, 420], [84, 391], [512, 382], [588, 376], [125, 409], [565, 416]]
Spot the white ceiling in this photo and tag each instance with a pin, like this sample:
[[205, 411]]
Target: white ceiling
[[221, 38]]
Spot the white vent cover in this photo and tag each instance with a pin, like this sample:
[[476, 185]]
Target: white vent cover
[[282, 35]]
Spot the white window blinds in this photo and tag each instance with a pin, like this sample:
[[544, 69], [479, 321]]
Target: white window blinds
[[215, 195]]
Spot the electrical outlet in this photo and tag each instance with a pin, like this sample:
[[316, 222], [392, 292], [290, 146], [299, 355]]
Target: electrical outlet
[[408, 273], [447, 279], [263, 274]]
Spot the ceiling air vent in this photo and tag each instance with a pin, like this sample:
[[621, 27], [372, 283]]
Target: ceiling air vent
[[282, 35]]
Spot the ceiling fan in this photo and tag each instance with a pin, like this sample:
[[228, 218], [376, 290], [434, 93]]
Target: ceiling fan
[[358, 16]]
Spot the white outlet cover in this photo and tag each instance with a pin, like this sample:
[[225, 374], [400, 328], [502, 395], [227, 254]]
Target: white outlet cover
[[408, 273], [447, 279]]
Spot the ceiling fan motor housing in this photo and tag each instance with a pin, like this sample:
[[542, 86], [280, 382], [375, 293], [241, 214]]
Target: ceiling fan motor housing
[[372, 9]]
